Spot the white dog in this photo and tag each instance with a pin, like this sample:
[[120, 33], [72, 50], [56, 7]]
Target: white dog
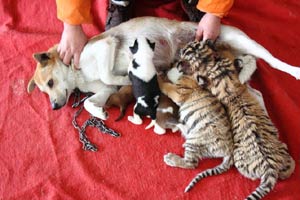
[[105, 59]]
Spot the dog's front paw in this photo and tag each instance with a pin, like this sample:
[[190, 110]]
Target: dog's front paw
[[100, 113]]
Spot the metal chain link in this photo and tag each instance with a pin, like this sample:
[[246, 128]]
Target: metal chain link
[[92, 121]]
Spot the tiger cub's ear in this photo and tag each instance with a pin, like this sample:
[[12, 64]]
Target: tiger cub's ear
[[238, 64], [211, 44], [202, 81]]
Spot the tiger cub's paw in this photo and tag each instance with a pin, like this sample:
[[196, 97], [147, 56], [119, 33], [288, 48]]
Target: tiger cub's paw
[[172, 160]]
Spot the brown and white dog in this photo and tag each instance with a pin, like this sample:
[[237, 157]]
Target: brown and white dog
[[105, 59]]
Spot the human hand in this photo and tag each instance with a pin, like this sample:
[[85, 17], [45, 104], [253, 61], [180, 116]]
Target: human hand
[[72, 42], [208, 27]]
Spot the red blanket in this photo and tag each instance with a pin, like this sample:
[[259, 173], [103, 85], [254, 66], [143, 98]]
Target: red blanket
[[41, 157]]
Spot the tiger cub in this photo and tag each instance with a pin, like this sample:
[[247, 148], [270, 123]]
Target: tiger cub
[[257, 153], [204, 125]]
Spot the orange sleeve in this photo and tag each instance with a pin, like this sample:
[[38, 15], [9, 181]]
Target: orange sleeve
[[74, 11], [219, 8]]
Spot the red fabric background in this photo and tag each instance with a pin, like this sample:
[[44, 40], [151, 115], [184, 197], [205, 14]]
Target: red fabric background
[[41, 157]]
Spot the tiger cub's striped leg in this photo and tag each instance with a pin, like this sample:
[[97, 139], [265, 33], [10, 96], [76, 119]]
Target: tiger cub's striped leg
[[287, 168], [189, 161]]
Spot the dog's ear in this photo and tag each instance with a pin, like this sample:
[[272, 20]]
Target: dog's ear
[[31, 85], [151, 44], [42, 57], [135, 47]]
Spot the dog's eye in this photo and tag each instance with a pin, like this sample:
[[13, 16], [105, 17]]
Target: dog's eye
[[50, 83]]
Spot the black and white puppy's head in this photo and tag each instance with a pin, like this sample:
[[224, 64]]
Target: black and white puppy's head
[[142, 65], [142, 46]]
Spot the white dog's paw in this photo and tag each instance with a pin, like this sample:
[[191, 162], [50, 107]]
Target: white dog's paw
[[100, 113], [135, 119]]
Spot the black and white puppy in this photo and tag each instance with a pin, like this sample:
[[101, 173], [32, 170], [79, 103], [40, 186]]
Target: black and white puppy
[[142, 74]]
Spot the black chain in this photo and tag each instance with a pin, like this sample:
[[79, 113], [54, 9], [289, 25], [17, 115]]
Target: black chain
[[92, 121]]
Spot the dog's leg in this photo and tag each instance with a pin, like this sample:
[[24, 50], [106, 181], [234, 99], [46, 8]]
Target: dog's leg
[[94, 105], [107, 60], [135, 119], [157, 129]]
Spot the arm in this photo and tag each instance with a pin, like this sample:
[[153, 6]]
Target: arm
[[209, 25], [73, 13]]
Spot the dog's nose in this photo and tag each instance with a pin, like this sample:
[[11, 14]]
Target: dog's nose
[[55, 106]]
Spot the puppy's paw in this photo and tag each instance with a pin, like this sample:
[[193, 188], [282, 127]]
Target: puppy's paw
[[100, 113], [135, 120], [175, 129], [159, 130]]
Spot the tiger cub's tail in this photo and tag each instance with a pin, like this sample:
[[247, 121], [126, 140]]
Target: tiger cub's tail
[[223, 167], [267, 183]]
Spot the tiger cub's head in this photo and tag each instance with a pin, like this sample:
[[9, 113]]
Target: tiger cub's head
[[187, 86], [197, 56], [215, 59]]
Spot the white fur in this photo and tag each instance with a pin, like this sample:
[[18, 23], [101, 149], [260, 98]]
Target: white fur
[[245, 45], [249, 66], [141, 101], [174, 74], [120, 3], [144, 58], [166, 110], [96, 75], [157, 129]]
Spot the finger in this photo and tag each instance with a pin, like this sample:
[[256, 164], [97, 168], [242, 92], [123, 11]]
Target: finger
[[62, 55], [67, 58], [58, 49], [208, 36], [199, 34], [76, 60]]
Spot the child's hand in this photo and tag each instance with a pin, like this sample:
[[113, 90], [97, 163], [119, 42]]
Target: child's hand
[[208, 27], [72, 42]]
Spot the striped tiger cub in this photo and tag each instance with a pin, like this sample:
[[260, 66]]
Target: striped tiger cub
[[257, 153], [204, 125]]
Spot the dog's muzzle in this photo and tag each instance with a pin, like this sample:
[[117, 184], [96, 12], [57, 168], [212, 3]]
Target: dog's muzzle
[[55, 106]]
